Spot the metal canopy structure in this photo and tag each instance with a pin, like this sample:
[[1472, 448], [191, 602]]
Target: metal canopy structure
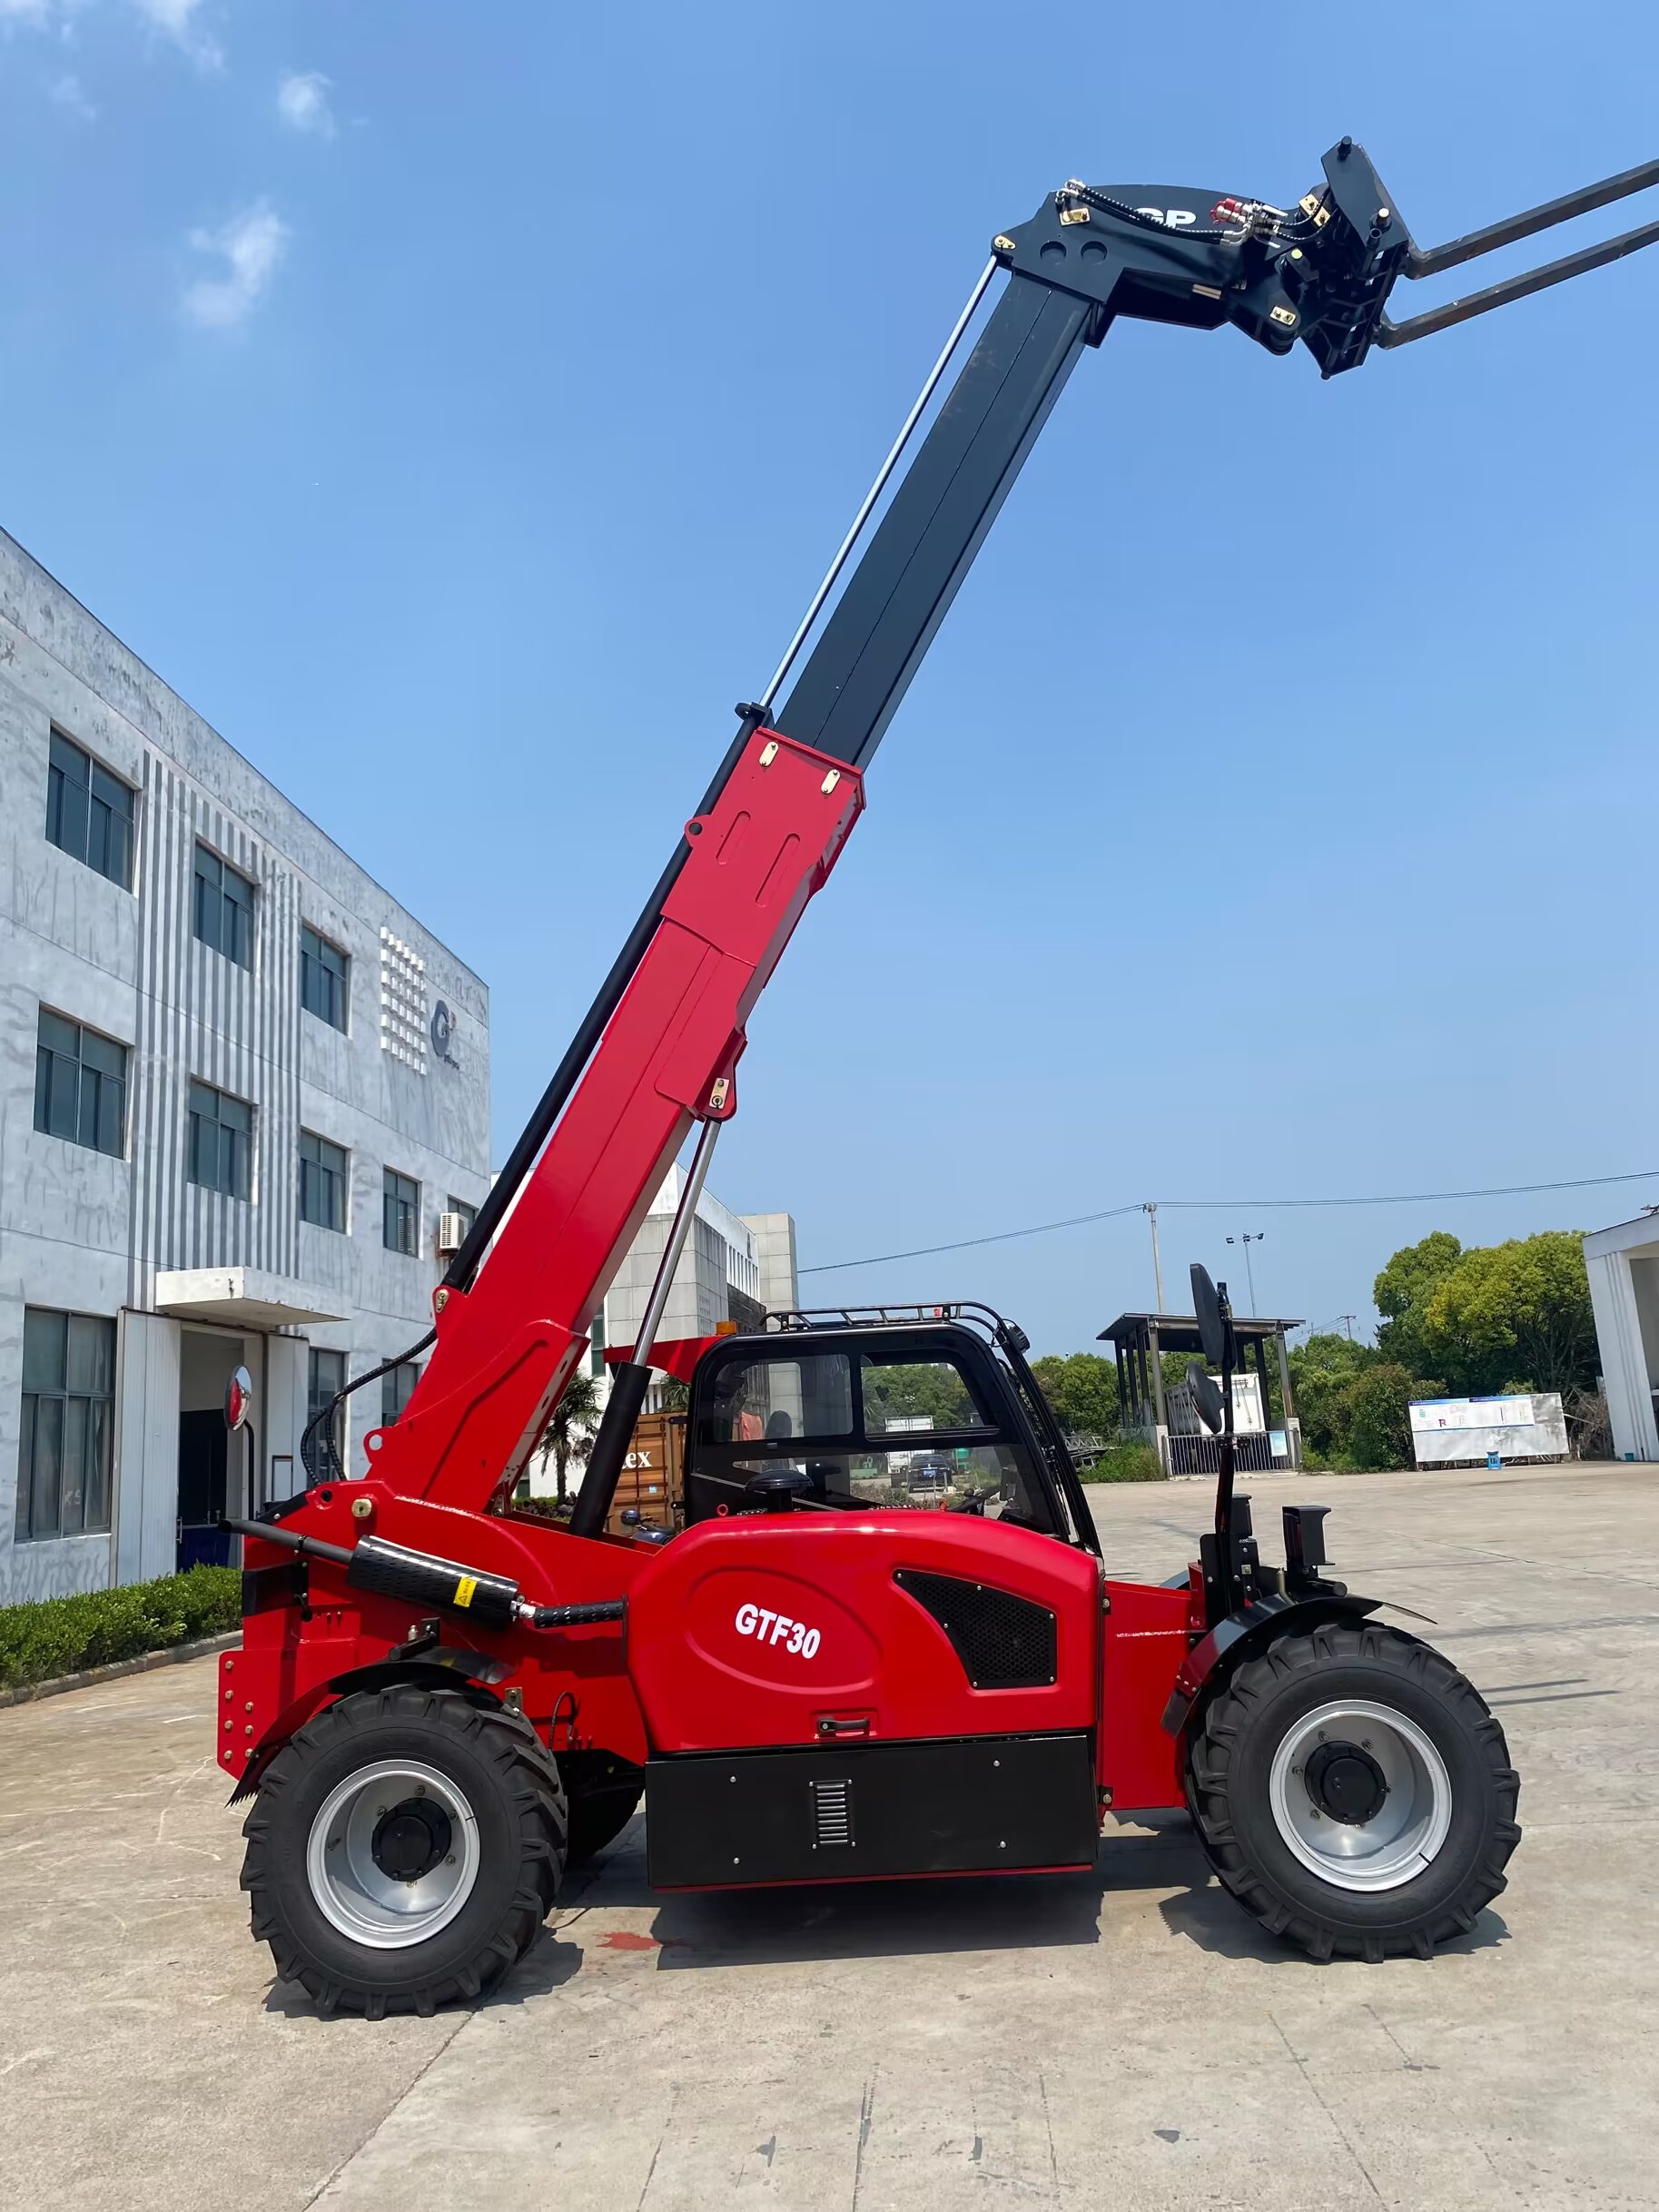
[[1139, 1340]]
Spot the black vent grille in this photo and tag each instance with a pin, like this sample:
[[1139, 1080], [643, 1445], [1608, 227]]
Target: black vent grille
[[832, 1810], [1004, 1642]]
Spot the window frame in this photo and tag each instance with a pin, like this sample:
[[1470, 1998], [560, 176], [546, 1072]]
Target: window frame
[[393, 1185], [97, 1428], [337, 980], [210, 896], [318, 1395], [49, 1056], [117, 803], [334, 1174], [232, 1129], [711, 1465], [393, 1386]]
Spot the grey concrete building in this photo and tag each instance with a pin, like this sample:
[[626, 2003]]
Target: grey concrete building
[[772, 1239], [735, 1267], [244, 1097]]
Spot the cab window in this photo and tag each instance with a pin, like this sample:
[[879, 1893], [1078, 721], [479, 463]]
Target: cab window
[[916, 1397], [869, 1429], [750, 1400]]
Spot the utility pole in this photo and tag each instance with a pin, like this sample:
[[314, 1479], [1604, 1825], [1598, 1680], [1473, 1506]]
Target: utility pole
[[1249, 1272], [1150, 1208], [1347, 1320]]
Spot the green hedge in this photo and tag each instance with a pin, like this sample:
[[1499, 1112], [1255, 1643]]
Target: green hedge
[[60, 1636], [1126, 1462]]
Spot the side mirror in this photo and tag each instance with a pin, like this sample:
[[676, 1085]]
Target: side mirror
[[238, 1400], [1207, 1306], [1206, 1394]]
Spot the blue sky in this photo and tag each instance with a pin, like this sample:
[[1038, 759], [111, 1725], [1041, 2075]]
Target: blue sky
[[458, 405]]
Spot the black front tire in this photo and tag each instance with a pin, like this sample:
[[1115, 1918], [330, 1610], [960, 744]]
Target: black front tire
[[486, 1763], [1248, 1822]]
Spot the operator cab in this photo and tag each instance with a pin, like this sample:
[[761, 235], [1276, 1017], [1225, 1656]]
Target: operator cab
[[926, 1409]]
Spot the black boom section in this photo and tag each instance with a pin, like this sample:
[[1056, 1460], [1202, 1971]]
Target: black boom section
[[1004, 1642], [960, 1805], [907, 576]]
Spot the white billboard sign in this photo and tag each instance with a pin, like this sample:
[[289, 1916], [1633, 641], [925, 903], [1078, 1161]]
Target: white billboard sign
[[1525, 1426]]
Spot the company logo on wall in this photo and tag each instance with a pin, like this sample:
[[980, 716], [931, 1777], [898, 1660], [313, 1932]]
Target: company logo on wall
[[442, 1032]]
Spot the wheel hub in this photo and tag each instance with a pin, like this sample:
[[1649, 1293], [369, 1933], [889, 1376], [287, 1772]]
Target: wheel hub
[[412, 1839], [393, 1853], [1346, 1782], [1360, 1795]]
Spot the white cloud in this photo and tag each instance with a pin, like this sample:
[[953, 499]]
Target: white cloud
[[252, 245], [303, 102], [177, 20], [68, 92]]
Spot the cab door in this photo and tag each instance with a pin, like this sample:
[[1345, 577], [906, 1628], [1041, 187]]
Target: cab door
[[898, 1671]]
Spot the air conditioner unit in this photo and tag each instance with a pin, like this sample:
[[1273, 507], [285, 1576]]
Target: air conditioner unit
[[451, 1234]]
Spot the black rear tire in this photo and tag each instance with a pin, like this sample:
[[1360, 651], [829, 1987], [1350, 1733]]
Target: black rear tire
[[1266, 1824], [493, 1850]]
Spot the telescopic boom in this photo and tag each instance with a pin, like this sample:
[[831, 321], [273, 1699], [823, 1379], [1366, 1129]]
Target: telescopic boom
[[658, 1049]]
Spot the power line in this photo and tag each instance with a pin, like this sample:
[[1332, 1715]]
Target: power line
[[925, 1251], [1112, 1213]]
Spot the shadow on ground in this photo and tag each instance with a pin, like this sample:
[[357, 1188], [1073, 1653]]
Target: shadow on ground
[[808, 1924]]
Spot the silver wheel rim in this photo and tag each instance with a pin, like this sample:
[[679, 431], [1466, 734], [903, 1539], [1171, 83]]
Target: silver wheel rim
[[354, 1892], [1402, 1836]]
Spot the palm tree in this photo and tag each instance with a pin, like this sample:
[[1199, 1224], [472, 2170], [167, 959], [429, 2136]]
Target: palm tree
[[569, 1436]]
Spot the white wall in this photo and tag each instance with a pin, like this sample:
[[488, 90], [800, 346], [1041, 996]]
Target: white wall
[[147, 1450], [1627, 1372]]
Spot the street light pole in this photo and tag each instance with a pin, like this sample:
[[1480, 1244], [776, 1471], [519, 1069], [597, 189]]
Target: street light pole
[[1150, 1208], [1249, 1273]]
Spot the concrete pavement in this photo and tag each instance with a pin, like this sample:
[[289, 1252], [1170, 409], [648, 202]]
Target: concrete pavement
[[1127, 2039]]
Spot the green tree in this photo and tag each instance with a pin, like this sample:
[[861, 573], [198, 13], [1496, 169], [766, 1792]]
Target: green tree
[[1323, 1372], [1375, 1405], [1515, 1312], [1082, 1390], [933, 1391], [1403, 1291], [569, 1437]]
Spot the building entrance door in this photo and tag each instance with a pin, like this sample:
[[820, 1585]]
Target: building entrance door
[[211, 1464], [203, 1458]]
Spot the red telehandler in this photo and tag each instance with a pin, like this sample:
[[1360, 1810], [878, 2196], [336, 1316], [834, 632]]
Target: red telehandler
[[439, 1702]]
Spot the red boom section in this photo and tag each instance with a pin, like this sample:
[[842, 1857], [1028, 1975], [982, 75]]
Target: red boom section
[[506, 1347]]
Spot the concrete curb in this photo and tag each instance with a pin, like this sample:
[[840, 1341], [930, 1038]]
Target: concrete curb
[[85, 1680]]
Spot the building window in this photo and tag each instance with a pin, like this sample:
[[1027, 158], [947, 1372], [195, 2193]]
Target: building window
[[325, 1380], [401, 1214], [224, 911], [79, 1085], [596, 1339], [68, 1424], [324, 978], [396, 1387], [469, 1214], [323, 1181], [221, 1141], [89, 811]]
